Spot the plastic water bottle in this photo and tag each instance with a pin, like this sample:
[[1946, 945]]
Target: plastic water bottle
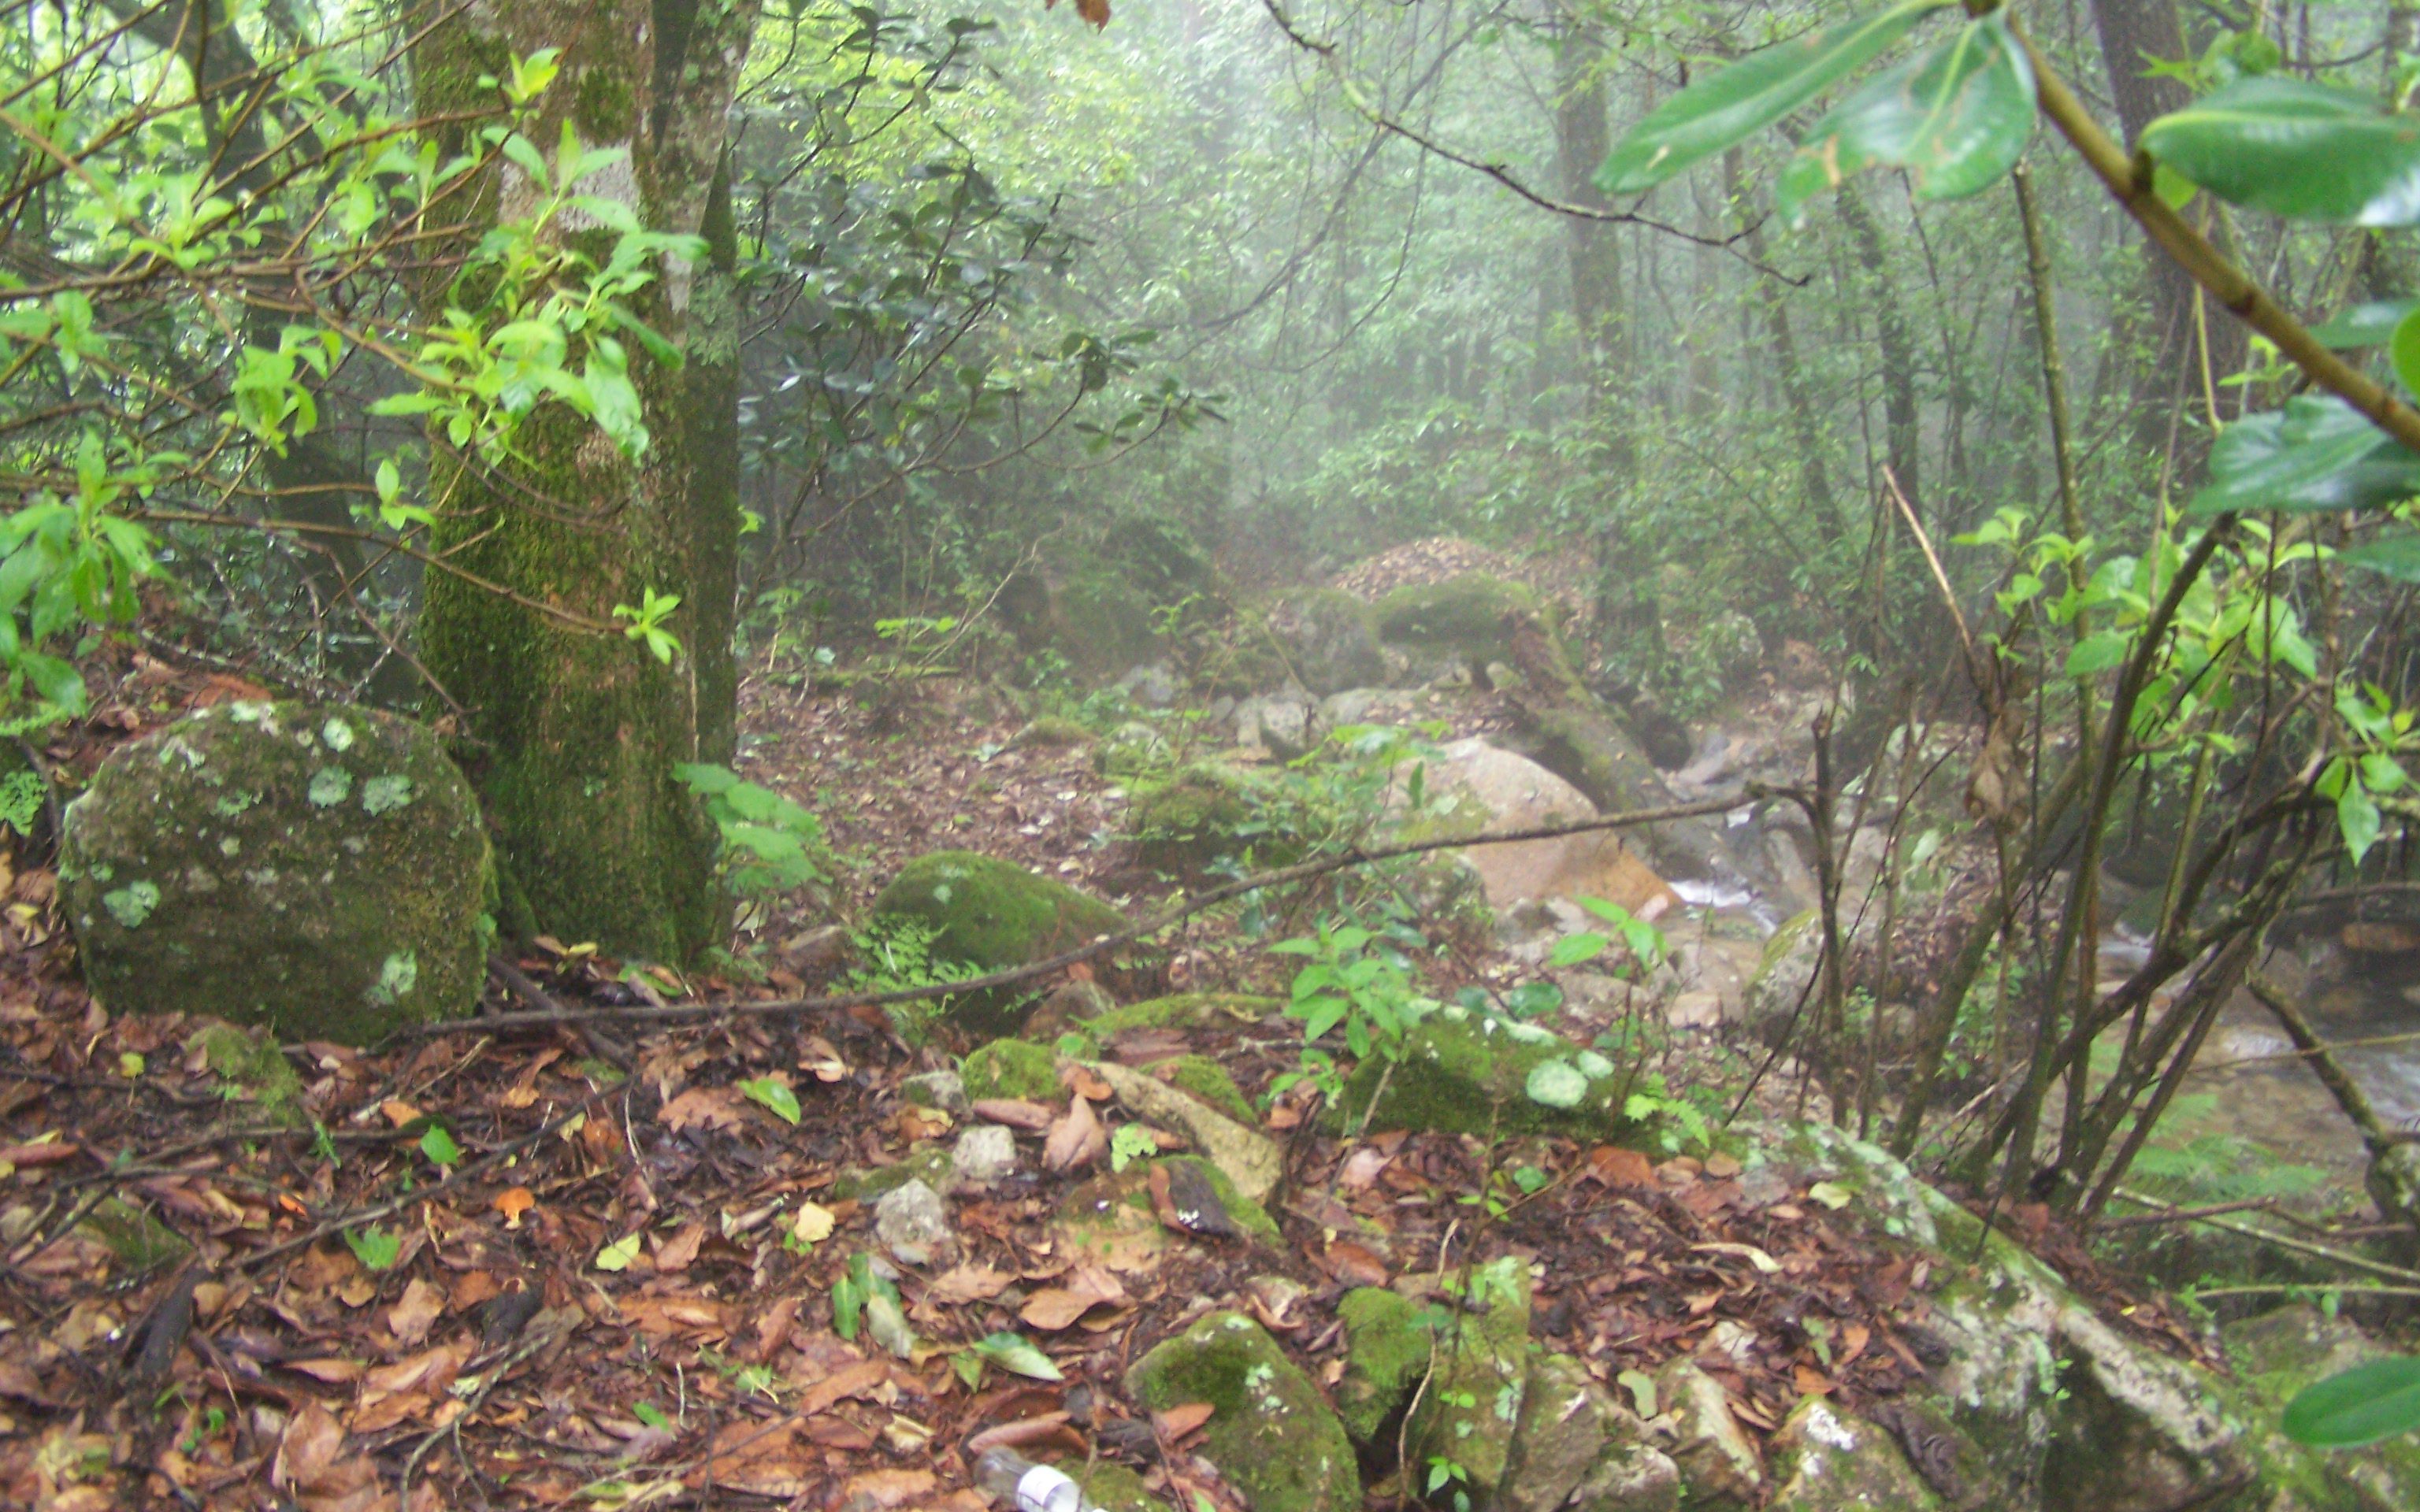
[[1022, 1485]]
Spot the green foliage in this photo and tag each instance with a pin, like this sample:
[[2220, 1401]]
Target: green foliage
[[772, 1094], [2363, 1405], [771, 844], [895, 954], [376, 1248], [23, 799]]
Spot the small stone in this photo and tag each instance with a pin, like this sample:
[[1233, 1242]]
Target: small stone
[[943, 1089], [1271, 1434], [1713, 1451], [983, 1155], [911, 1223], [1696, 1010]]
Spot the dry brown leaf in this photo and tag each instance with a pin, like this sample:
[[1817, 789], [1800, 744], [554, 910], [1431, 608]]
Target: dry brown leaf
[[1095, 11], [966, 1283], [333, 1372], [1354, 1265], [701, 1107], [1077, 1139], [1014, 1112], [886, 1488], [410, 1318], [1612, 1165], [398, 1112], [850, 1381], [1056, 1307], [676, 1254], [1178, 1421]]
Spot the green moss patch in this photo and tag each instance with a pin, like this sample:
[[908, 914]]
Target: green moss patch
[[1185, 1011], [1468, 619], [1271, 1434], [1206, 1081], [994, 914], [1016, 1068], [1465, 1074], [1386, 1354], [254, 1070]]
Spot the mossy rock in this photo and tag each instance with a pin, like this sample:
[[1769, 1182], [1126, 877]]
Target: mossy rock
[[928, 1163], [1249, 1215], [1465, 620], [995, 915], [1463, 1074], [1113, 1203], [1270, 1433], [1050, 731], [1101, 624], [1114, 1487], [254, 1070], [319, 869], [1386, 1354], [1015, 1068], [1822, 1460], [1331, 639], [1484, 1355], [134, 1237], [1206, 1082], [1203, 815], [1182, 1011], [1133, 749]]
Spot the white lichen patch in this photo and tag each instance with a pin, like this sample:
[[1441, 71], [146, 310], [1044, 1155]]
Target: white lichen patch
[[380, 794], [132, 904], [337, 733], [330, 786]]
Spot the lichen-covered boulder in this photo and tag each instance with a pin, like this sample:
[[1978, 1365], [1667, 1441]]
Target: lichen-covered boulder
[[2275, 1355], [1464, 1074], [1785, 977], [993, 915], [1823, 1460], [1720, 1467], [1017, 1070], [317, 867], [1329, 640], [1271, 1434]]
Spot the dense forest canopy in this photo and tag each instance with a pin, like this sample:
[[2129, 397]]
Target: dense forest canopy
[[1789, 586]]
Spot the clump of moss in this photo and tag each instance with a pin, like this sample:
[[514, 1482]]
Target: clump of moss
[[254, 1070], [1206, 1081], [928, 1163], [1249, 1215], [1016, 1068], [1482, 1370], [1051, 732], [1198, 817], [1386, 1354], [1270, 1433], [1463, 1074], [1114, 1487], [1182, 1011]]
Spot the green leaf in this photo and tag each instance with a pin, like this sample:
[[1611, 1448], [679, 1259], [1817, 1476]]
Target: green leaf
[[2358, 1406], [772, 1094], [2396, 556], [652, 1415], [2403, 347], [375, 1249], [2365, 325], [1012, 1353], [2316, 454], [2357, 818], [1957, 118], [1728, 107], [619, 1254], [2307, 151], [2097, 654], [440, 1146], [1573, 948]]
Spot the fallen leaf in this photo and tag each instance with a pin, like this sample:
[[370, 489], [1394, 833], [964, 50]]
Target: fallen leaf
[[1178, 1421], [1765, 1263], [850, 1381], [1612, 1165], [1813, 1383], [1077, 1139], [885, 1488], [1056, 1307], [813, 1224], [398, 1112], [410, 1318], [962, 1284], [701, 1107], [1014, 1112], [1721, 1166], [1354, 1265], [677, 1253]]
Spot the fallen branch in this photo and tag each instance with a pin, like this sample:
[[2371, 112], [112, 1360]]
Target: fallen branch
[[1102, 945]]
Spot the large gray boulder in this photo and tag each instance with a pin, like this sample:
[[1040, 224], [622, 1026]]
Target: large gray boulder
[[320, 868], [1329, 639]]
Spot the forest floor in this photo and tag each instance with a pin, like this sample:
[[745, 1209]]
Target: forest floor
[[494, 1269]]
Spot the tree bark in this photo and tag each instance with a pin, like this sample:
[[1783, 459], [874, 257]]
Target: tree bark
[[574, 729], [1593, 255]]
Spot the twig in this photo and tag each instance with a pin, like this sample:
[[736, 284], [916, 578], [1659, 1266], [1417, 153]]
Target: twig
[[600, 1043], [2303, 1247]]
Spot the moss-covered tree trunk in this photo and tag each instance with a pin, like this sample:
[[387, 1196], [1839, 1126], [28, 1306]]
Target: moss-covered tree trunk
[[574, 729]]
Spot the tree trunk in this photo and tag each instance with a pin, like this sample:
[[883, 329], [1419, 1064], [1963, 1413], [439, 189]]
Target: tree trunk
[[2135, 35], [1772, 308], [574, 727], [1902, 433], [1590, 247]]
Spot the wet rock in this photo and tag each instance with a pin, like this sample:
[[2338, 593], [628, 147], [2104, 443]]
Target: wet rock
[[942, 1090], [1634, 1476], [1486, 790], [983, 1155], [1130, 748], [1182, 1011], [1251, 1161], [1069, 1005], [1279, 723], [1567, 1424], [1785, 977], [1271, 1434], [1823, 1460], [1208, 814], [1464, 622], [912, 1223], [320, 869], [1716, 1460], [994, 914], [2276, 1355]]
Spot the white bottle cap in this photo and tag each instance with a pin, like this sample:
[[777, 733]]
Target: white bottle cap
[[1044, 1488]]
